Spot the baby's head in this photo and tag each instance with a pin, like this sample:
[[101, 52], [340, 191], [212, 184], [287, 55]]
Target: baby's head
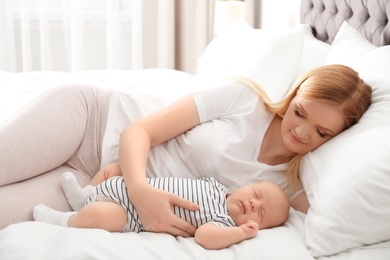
[[265, 203]]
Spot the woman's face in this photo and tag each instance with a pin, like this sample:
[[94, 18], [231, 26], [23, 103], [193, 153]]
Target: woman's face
[[308, 124]]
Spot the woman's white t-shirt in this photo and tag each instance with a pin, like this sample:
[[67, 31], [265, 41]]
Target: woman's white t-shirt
[[226, 145]]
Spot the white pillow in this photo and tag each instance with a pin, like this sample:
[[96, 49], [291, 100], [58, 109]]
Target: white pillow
[[314, 53], [347, 180], [268, 57]]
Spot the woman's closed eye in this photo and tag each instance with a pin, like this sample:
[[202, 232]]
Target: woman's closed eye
[[297, 113], [322, 135]]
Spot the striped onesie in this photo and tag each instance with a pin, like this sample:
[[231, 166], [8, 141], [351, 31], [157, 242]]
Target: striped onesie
[[209, 194]]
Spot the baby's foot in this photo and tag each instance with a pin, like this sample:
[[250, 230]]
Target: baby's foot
[[45, 214], [75, 195]]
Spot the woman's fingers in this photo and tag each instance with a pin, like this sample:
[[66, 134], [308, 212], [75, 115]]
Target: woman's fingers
[[180, 226], [183, 228], [171, 224], [156, 215], [183, 203]]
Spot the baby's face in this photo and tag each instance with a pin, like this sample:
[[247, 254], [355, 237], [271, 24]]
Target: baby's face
[[265, 203]]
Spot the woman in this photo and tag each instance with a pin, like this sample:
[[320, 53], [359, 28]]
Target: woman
[[227, 132]]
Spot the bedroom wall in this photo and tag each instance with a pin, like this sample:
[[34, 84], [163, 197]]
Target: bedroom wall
[[279, 13]]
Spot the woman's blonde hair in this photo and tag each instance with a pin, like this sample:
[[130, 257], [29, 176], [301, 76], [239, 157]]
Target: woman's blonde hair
[[335, 84]]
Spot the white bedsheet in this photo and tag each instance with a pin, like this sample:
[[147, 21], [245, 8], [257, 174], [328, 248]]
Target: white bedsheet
[[35, 240]]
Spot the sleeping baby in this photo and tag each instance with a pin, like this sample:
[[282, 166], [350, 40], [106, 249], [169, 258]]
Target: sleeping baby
[[222, 219]]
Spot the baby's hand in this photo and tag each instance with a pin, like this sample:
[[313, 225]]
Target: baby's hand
[[250, 228]]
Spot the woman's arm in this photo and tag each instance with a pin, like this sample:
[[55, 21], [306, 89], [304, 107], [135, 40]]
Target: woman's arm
[[154, 206], [211, 236], [301, 202]]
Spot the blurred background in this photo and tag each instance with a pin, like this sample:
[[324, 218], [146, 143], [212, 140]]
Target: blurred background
[[74, 35]]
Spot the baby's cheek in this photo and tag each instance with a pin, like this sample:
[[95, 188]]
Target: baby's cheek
[[241, 220]]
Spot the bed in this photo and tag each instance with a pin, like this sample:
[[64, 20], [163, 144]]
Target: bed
[[347, 180]]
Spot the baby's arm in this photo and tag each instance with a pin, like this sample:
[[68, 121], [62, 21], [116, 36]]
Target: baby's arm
[[211, 236]]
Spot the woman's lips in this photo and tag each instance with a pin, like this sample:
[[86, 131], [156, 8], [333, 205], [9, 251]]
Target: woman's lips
[[296, 139]]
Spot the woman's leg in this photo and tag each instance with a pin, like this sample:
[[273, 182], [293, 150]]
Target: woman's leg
[[18, 200], [64, 126], [59, 131]]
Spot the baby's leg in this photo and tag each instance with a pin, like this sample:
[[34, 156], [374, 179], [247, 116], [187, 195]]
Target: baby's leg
[[45, 214], [76, 195], [107, 172], [104, 215]]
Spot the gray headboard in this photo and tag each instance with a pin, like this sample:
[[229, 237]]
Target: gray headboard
[[369, 17]]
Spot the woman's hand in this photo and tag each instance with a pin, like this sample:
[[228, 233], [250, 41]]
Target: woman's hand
[[154, 208]]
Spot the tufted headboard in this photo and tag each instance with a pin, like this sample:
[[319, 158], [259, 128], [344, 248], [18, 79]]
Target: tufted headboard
[[369, 17]]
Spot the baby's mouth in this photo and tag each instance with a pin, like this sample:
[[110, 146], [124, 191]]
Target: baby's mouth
[[243, 207]]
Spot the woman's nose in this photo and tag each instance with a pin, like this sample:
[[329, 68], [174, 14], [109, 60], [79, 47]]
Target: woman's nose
[[302, 131]]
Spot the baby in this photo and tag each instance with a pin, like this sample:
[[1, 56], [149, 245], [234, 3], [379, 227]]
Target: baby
[[223, 218]]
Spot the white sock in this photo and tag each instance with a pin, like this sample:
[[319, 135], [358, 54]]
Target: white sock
[[45, 214], [75, 195]]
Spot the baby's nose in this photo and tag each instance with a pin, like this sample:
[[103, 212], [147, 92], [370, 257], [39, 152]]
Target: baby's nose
[[253, 205]]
